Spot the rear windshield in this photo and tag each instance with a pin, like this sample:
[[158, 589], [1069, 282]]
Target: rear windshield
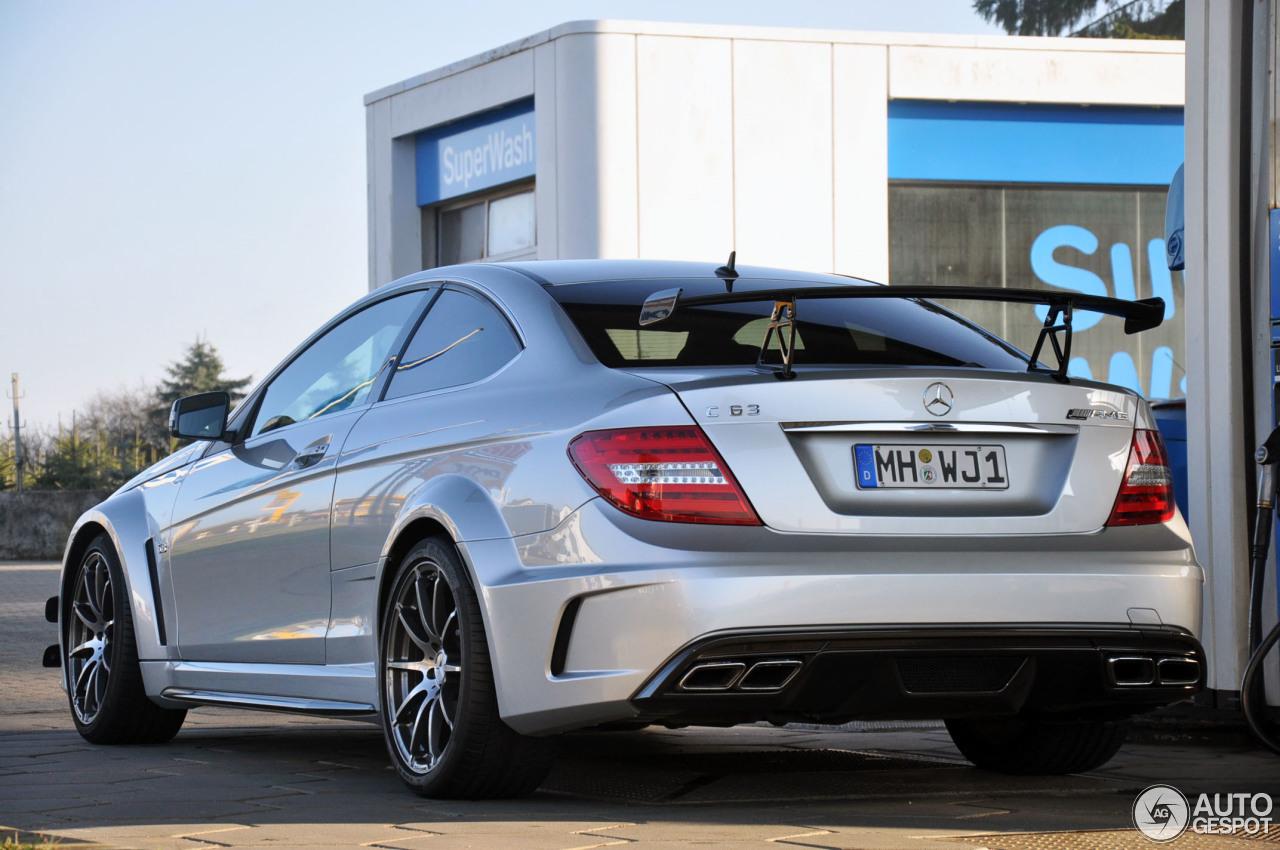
[[836, 332]]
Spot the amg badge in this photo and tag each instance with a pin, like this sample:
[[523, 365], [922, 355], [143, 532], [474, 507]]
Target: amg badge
[[1094, 413]]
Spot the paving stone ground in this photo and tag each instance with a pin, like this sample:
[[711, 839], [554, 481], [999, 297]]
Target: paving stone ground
[[245, 779]]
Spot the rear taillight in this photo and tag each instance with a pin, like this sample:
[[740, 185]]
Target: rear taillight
[[669, 474], [1146, 494]]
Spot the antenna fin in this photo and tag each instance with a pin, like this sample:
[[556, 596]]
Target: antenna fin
[[728, 271]]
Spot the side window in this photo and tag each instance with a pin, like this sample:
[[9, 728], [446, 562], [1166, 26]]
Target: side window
[[463, 339], [338, 370]]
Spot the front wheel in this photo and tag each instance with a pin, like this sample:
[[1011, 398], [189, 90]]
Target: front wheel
[[104, 680], [1032, 746], [439, 706]]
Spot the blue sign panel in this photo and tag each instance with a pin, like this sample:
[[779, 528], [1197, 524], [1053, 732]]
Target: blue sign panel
[[1034, 143], [478, 153]]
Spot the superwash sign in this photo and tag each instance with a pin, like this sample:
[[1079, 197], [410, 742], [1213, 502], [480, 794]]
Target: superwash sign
[[479, 153]]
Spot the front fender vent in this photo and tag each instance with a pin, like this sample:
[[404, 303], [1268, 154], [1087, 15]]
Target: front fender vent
[[154, 573]]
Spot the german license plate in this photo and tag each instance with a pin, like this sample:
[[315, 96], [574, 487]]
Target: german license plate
[[930, 466]]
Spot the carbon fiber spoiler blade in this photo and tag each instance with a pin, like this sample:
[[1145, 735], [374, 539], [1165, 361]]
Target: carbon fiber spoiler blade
[[1138, 315]]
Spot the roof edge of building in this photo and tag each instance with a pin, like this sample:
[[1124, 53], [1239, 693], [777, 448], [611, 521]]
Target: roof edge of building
[[765, 33]]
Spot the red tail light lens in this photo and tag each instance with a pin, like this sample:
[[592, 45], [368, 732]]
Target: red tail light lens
[[668, 474], [1146, 495]]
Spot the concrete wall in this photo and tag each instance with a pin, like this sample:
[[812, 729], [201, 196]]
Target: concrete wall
[[34, 525], [681, 141]]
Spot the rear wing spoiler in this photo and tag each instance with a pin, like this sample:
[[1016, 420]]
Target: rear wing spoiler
[[1138, 315]]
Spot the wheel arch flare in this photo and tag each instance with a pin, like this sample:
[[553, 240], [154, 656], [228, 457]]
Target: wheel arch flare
[[451, 506], [122, 517]]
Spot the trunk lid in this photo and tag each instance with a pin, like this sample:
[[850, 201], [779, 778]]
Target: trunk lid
[[857, 451]]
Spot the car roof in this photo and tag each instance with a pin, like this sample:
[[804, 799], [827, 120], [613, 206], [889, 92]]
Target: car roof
[[568, 272]]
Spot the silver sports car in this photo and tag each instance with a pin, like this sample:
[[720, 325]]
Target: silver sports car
[[490, 503]]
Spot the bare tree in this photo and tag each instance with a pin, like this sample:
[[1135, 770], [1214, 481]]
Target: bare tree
[[125, 417], [118, 433]]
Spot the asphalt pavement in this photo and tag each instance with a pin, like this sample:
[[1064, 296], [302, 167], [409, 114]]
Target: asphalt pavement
[[247, 779]]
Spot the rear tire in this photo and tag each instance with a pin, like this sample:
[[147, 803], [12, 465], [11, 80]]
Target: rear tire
[[439, 705], [100, 655], [1025, 746]]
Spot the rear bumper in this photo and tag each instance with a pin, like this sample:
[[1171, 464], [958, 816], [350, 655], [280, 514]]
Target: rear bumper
[[922, 672], [582, 619]]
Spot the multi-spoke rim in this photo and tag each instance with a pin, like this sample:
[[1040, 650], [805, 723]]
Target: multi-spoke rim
[[422, 668], [90, 636]]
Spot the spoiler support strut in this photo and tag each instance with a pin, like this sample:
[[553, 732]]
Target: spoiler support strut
[[1049, 331]]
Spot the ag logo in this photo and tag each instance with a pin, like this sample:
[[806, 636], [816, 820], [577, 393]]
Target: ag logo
[[1161, 813]]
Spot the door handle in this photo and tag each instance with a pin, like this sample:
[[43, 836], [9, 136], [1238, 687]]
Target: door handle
[[310, 455]]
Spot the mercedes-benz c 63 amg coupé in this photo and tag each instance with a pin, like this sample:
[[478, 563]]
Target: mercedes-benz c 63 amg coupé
[[491, 503]]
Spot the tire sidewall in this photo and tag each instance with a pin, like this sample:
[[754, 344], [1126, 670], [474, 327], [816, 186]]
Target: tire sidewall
[[115, 651]]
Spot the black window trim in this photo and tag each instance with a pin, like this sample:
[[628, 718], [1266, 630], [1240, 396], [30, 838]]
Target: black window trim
[[385, 383]]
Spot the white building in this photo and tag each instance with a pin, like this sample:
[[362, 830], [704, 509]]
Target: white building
[[895, 157]]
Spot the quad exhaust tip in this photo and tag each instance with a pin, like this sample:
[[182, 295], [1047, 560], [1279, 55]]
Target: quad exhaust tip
[[762, 677], [1142, 671], [715, 676], [1178, 671], [770, 675]]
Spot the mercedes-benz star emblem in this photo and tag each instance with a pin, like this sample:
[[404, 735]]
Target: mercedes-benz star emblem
[[938, 398]]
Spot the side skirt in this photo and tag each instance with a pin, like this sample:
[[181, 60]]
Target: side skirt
[[258, 702], [317, 689]]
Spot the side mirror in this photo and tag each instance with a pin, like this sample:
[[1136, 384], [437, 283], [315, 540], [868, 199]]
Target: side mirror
[[200, 417]]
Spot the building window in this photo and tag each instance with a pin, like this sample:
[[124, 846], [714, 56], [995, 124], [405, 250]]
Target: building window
[[1092, 239], [498, 226]]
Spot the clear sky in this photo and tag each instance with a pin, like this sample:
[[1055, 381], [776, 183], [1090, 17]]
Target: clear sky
[[174, 168]]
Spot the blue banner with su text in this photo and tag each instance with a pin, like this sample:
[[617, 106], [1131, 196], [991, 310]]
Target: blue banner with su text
[[478, 153]]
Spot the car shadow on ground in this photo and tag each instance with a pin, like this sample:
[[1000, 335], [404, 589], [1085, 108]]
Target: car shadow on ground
[[338, 772]]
